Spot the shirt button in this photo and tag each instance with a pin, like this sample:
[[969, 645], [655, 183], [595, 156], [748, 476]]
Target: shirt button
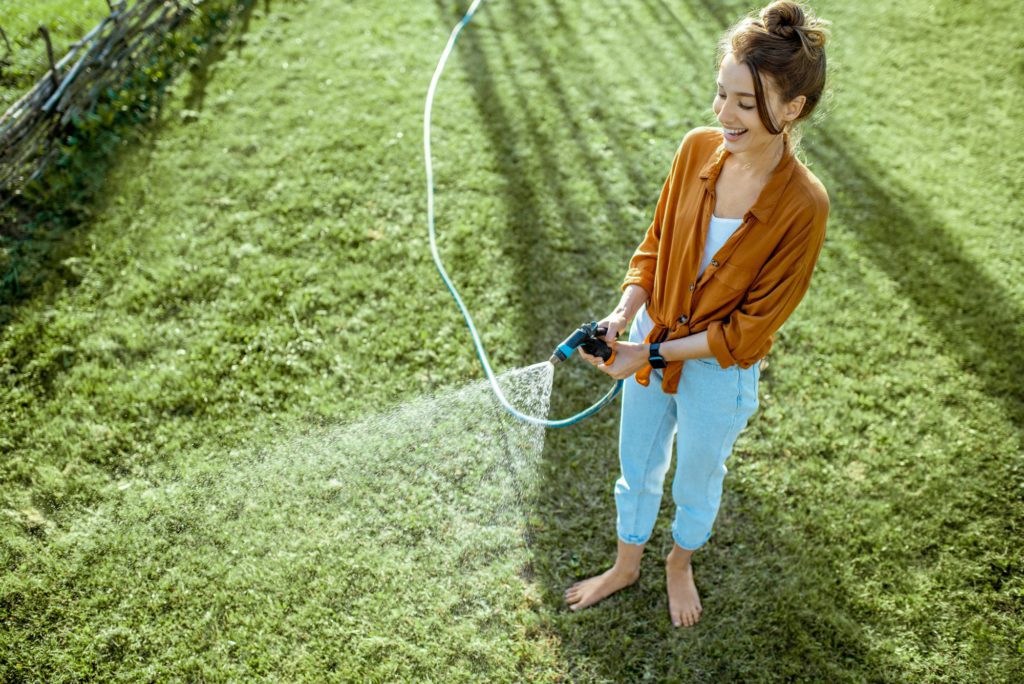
[[682, 319], [714, 262], [691, 287]]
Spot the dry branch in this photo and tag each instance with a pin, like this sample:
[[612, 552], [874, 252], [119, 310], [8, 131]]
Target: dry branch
[[101, 62]]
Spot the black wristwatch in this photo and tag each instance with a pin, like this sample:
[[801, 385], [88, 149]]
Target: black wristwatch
[[655, 358]]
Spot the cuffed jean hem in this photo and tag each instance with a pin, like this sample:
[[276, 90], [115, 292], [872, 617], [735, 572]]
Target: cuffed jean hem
[[687, 546], [633, 538]]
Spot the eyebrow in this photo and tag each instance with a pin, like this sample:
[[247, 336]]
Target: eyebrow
[[740, 94]]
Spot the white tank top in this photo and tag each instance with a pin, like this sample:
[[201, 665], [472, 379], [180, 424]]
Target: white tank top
[[719, 232]]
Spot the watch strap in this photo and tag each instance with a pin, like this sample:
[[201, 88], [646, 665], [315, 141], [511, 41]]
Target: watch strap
[[654, 357]]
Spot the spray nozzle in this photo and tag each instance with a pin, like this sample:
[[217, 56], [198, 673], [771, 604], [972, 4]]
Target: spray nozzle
[[587, 336]]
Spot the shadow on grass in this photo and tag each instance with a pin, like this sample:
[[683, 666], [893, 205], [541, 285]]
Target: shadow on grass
[[200, 71], [557, 92], [535, 247], [979, 322], [49, 235]]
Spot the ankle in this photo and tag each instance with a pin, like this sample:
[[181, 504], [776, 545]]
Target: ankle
[[626, 570], [678, 560]]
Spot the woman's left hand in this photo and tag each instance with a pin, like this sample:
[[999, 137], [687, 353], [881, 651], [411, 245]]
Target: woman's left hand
[[629, 358]]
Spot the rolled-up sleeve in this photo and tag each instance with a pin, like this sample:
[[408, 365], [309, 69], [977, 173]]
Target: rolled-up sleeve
[[746, 335]]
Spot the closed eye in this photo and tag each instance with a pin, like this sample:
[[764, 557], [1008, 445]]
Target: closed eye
[[742, 106]]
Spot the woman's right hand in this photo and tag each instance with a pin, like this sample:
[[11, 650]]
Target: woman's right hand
[[616, 323]]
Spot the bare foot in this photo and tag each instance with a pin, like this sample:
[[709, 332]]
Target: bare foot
[[683, 600], [590, 591]]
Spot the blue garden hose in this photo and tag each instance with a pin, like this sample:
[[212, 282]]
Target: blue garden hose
[[481, 354]]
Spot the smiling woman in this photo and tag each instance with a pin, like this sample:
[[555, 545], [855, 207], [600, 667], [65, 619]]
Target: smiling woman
[[727, 259], [765, 46]]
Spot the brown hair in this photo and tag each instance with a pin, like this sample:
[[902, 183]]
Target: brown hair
[[785, 42]]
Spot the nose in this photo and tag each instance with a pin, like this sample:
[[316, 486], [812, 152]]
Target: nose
[[726, 112]]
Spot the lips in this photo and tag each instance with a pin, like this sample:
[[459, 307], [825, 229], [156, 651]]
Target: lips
[[733, 134]]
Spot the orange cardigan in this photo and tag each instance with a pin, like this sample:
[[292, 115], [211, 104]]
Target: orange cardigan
[[758, 277]]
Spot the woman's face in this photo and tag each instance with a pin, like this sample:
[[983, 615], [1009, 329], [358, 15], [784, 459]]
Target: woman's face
[[736, 108]]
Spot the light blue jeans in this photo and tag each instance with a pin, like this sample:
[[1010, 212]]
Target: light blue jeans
[[707, 414]]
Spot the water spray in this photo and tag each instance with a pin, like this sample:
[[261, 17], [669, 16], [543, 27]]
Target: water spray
[[587, 336]]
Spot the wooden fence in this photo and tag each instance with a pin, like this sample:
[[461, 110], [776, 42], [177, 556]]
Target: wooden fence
[[123, 45]]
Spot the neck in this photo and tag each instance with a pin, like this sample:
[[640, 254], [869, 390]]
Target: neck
[[762, 161]]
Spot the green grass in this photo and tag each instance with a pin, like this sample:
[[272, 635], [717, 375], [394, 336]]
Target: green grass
[[258, 271]]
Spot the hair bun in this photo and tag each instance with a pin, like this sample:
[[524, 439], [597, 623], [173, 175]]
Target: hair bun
[[792, 21], [782, 18]]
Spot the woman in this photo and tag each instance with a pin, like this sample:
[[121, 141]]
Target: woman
[[729, 255]]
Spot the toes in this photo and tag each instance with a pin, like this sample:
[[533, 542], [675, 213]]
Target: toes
[[685, 617]]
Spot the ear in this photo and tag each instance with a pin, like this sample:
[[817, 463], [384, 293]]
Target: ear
[[793, 108]]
